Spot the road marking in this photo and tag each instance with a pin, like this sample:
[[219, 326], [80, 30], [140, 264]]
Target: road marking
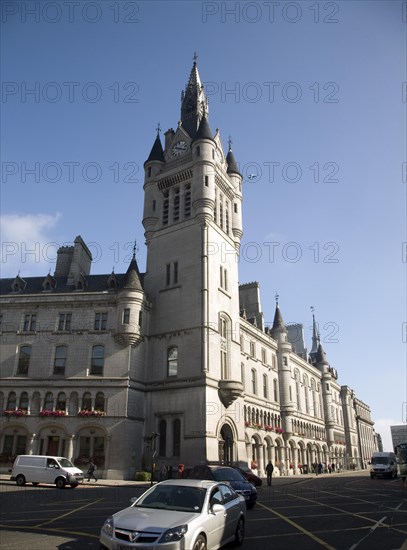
[[68, 513], [369, 533], [297, 526]]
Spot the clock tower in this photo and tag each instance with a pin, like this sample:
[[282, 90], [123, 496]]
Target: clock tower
[[193, 227]]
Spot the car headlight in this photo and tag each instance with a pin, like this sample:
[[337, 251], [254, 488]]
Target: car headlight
[[108, 527], [174, 534]]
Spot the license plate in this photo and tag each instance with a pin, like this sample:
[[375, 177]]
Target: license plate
[[127, 546]]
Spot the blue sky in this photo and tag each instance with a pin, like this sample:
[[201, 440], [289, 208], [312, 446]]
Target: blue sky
[[312, 95]]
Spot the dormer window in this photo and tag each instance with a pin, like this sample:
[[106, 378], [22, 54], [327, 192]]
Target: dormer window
[[18, 284]]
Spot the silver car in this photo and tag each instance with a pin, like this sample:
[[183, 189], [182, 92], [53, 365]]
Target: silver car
[[179, 514]]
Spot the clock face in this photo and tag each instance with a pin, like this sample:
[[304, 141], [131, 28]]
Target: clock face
[[179, 148]]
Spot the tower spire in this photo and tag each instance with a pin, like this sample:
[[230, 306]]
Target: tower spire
[[193, 101], [315, 335]]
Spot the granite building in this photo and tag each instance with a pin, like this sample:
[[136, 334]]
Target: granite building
[[176, 362]]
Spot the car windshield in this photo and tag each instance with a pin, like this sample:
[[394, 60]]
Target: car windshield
[[380, 460], [227, 474], [172, 497], [65, 463]]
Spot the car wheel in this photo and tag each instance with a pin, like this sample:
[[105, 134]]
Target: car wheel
[[239, 533], [60, 483], [20, 480], [200, 543]]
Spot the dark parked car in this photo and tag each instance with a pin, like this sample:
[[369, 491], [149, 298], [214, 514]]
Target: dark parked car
[[249, 475], [225, 473]]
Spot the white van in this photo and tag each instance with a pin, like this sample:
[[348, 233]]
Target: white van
[[45, 469], [383, 465]]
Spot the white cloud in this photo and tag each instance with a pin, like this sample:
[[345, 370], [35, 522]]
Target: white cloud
[[27, 244]]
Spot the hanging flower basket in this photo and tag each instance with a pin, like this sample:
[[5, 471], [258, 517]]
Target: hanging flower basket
[[86, 413], [15, 412], [46, 412], [268, 428], [279, 430]]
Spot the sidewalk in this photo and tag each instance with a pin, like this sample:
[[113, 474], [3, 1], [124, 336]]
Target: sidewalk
[[5, 478]]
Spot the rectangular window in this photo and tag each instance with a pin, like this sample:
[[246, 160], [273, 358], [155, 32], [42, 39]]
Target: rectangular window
[[254, 382], [285, 363], [175, 273], [8, 444], [30, 321], [242, 374], [252, 350], [187, 202], [100, 321], [263, 356], [60, 359], [235, 208], [24, 360], [206, 181], [64, 323], [154, 205], [168, 274], [166, 207], [126, 316]]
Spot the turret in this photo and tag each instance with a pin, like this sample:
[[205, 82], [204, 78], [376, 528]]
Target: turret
[[235, 178], [279, 333], [203, 187], [152, 167], [130, 300]]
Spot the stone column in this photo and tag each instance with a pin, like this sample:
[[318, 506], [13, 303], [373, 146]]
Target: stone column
[[69, 450]]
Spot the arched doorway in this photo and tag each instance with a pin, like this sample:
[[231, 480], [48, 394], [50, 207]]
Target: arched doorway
[[226, 445]]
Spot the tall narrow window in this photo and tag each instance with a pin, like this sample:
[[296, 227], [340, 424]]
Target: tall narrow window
[[275, 390], [265, 386], [176, 206], [224, 347], [60, 359], [242, 374], [100, 401], [175, 273], [162, 451], [126, 316], [176, 437], [166, 207], [252, 349], [23, 405], [98, 360], [24, 360], [227, 217], [30, 322], [263, 356], [86, 401], [64, 323], [61, 402], [187, 202], [100, 321], [12, 401], [221, 212], [49, 401], [254, 381], [172, 361], [168, 274]]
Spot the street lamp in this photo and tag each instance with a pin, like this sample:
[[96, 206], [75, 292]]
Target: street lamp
[[153, 454]]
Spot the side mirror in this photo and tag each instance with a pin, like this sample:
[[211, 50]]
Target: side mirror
[[216, 508]]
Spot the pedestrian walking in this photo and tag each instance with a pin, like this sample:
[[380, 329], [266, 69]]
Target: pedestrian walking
[[269, 472], [91, 471]]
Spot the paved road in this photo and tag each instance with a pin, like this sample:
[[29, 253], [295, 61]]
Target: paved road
[[341, 512]]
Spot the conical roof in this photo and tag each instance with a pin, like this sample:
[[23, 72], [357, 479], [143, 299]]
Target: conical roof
[[232, 164], [204, 131], [157, 152], [132, 278]]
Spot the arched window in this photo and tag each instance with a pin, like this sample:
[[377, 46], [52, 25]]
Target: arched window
[[60, 359], [163, 438], [98, 360], [23, 405], [49, 401], [61, 402], [305, 379], [176, 437], [265, 386], [297, 389], [172, 361], [11, 401], [100, 401], [275, 390], [86, 401], [24, 360]]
